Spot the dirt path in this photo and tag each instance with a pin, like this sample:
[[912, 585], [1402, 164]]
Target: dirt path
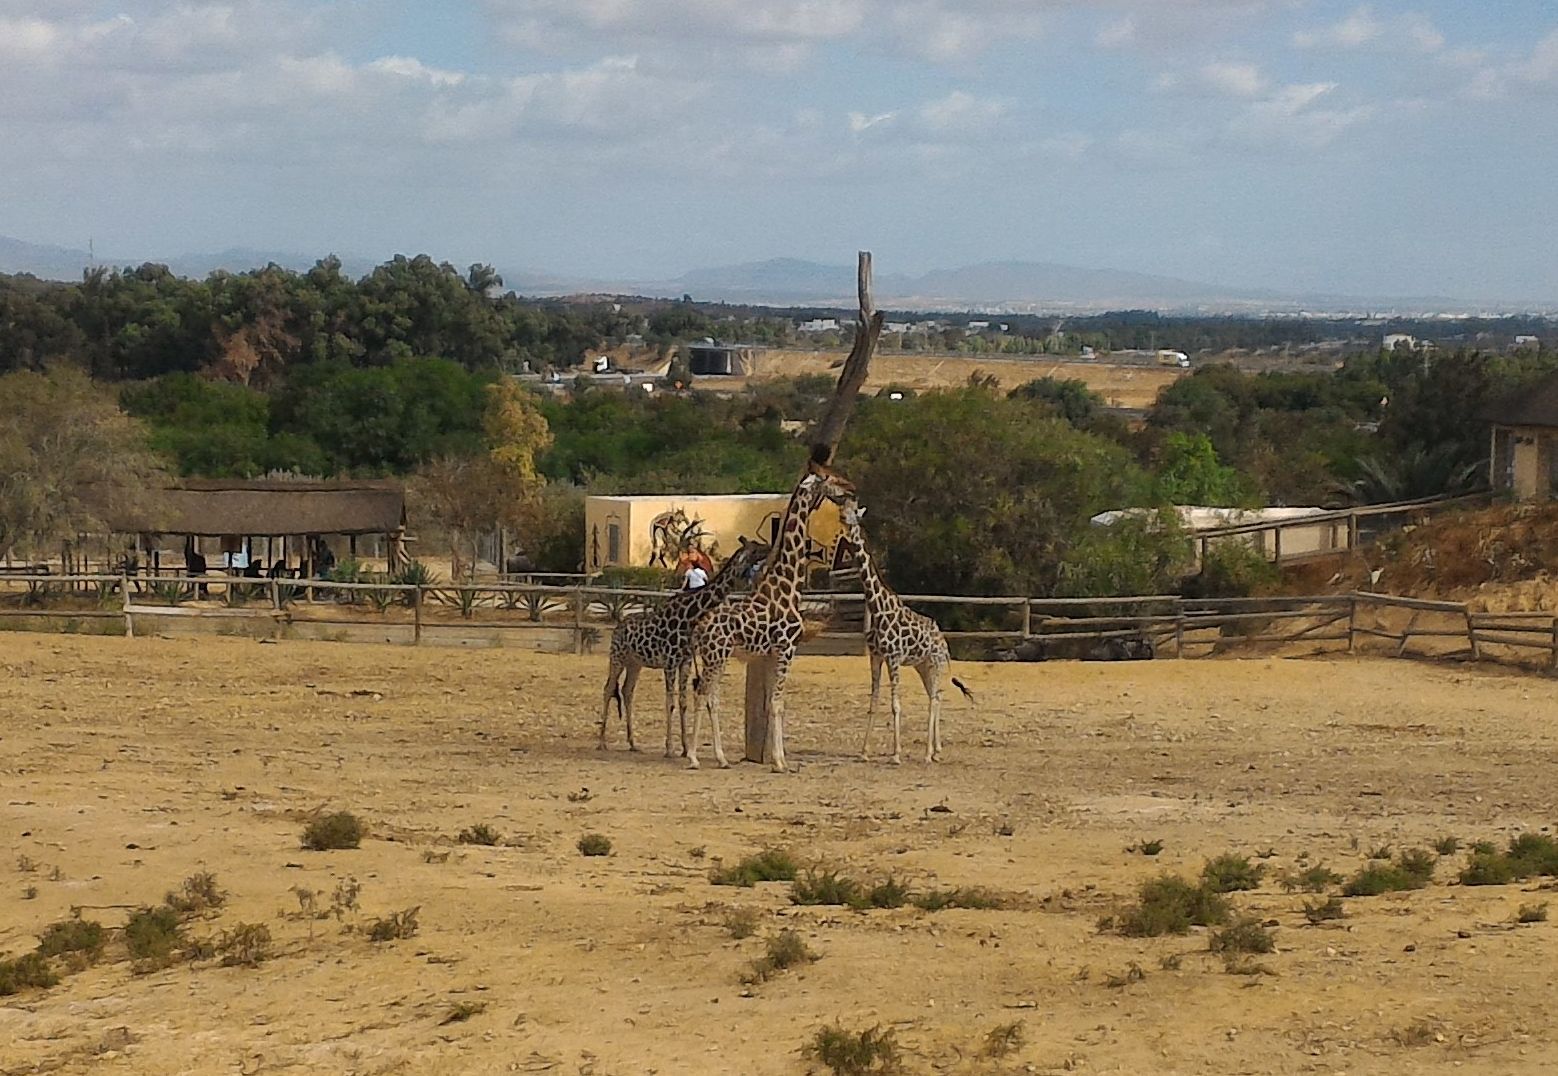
[[126, 765]]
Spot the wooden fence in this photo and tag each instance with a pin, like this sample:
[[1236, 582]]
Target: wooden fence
[[582, 615], [1322, 534]]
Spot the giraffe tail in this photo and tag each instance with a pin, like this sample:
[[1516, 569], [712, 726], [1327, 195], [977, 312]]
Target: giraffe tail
[[967, 694]]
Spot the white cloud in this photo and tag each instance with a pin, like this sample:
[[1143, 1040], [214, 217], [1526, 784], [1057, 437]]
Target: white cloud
[[1234, 79], [961, 112], [1363, 28]]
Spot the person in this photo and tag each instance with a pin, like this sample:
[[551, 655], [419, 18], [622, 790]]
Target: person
[[695, 576]]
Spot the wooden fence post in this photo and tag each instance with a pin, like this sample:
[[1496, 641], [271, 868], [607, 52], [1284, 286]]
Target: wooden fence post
[[129, 619], [1352, 624], [1554, 665], [416, 615], [1352, 531], [1027, 618], [578, 620], [1179, 628], [1471, 636]]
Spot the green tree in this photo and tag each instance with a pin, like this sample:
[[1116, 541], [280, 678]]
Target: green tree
[[1189, 472]]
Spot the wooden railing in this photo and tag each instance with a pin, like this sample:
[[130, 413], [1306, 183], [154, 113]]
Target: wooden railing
[[1330, 533], [582, 615]]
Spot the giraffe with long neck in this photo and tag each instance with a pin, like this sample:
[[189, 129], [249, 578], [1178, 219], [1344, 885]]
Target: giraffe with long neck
[[897, 636], [662, 639], [767, 624]]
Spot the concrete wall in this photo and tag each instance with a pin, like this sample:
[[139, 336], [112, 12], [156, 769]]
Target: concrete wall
[[1535, 455], [726, 519]]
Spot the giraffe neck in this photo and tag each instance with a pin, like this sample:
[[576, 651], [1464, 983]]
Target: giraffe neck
[[880, 598], [785, 570]]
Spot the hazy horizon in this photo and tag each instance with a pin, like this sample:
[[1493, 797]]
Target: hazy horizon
[[1298, 146]]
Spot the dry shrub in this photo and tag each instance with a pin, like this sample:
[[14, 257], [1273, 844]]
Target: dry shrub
[[854, 1053], [394, 927], [783, 951], [197, 893], [334, 831], [1170, 905], [769, 865]]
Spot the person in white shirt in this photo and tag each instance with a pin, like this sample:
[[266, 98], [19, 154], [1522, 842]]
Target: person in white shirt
[[695, 577]]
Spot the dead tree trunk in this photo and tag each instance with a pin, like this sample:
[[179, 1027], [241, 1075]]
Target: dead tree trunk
[[825, 440]]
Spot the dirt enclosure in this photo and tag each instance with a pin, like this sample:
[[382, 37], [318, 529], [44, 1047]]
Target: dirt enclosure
[[129, 764]]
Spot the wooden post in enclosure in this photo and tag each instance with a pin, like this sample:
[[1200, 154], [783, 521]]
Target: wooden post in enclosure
[[1553, 665], [578, 620], [129, 617], [825, 441], [1352, 624], [1027, 617], [1471, 636], [416, 615]]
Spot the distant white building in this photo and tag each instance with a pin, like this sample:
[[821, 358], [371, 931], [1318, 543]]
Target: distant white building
[[819, 325], [978, 326], [898, 327], [1395, 340], [1528, 341]]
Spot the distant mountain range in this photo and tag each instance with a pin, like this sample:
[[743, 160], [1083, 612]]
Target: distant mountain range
[[1001, 287]]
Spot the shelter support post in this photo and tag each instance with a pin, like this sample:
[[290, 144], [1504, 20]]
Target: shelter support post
[[416, 616], [759, 689], [129, 619]]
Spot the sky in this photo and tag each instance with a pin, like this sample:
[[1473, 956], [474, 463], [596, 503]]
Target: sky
[[1382, 149]]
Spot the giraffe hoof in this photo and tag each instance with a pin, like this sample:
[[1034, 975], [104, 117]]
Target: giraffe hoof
[[692, 764], [897, 761], [601, 746], [633, 747]]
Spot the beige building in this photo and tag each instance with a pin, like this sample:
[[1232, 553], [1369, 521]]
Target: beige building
[[650, 531], [1523, 458]]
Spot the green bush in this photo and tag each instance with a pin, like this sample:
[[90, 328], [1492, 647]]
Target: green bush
[[595, 844], [782, 951], [1231, 874], [1242, 936], [1529, 855], [770, 865], [72, 936], [824, 887], [28, 972], [1232, 569], [1412, 869], [854, 1053], [333, 831], [152, 935], [480, 833], [1170, 905]]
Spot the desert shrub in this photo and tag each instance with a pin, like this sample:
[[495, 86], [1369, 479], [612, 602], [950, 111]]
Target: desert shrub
[[824, 887], [1447, 846], [1411, 870], [247, 945], [1170, 905], [1242, 936], [1147, 848], [742, 922], [1003, 1040], [152, 936], [1120, 980], [888, 893], [595, 844], [1231, 874], [413, 574], [770, 865], [197, 893], [84, 936], [782, 951], [1320, 911], [854, 1053], [1488, 868], [1315, 879], [1529, 855], [28, 972], [480, 833], [395, 926], [332, 831], [1531, 913], [935, 900]]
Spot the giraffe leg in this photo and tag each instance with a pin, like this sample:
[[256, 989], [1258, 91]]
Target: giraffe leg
[[892, 677], [670, 704], [876, 691], [681, 701], [629, 685], [719, 743], [930, 674], [612, 673], [706, 699], [776, 710]]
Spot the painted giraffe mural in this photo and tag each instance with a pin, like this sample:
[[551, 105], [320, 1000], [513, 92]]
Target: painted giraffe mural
[[898, 636], [662, 639], [768, 623]]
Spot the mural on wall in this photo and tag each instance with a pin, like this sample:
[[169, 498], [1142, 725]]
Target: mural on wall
[[768, 532], [673, 538], [595, 547]]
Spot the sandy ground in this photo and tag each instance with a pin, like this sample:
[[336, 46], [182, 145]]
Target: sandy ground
[[1120, 385], [129, 764]]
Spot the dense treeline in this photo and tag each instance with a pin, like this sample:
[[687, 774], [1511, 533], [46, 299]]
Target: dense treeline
[[972, 490]]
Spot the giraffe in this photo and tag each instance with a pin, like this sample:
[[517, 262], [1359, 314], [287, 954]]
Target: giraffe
[[662, 639], [766, 623], [898, 636]]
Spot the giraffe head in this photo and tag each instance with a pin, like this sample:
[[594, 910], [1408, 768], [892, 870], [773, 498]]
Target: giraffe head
[[824, 483]]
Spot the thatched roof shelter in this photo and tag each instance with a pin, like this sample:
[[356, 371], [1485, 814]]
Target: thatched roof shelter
[[270, 508]]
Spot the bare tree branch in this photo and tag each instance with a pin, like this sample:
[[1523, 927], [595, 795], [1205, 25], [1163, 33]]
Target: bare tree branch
[[830, 430]]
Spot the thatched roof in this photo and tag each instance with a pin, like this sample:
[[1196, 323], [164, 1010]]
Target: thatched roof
[[1534, 405], [270, 508]]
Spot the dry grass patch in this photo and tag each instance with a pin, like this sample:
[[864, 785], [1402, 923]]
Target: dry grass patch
[[769, 865], [782, 951]]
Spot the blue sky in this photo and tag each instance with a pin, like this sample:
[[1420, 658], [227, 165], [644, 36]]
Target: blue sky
[[1294, 145]]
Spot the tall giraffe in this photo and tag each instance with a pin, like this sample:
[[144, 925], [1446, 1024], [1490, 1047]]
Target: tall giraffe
[[898, 636], [662, 639], [765, 624]]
